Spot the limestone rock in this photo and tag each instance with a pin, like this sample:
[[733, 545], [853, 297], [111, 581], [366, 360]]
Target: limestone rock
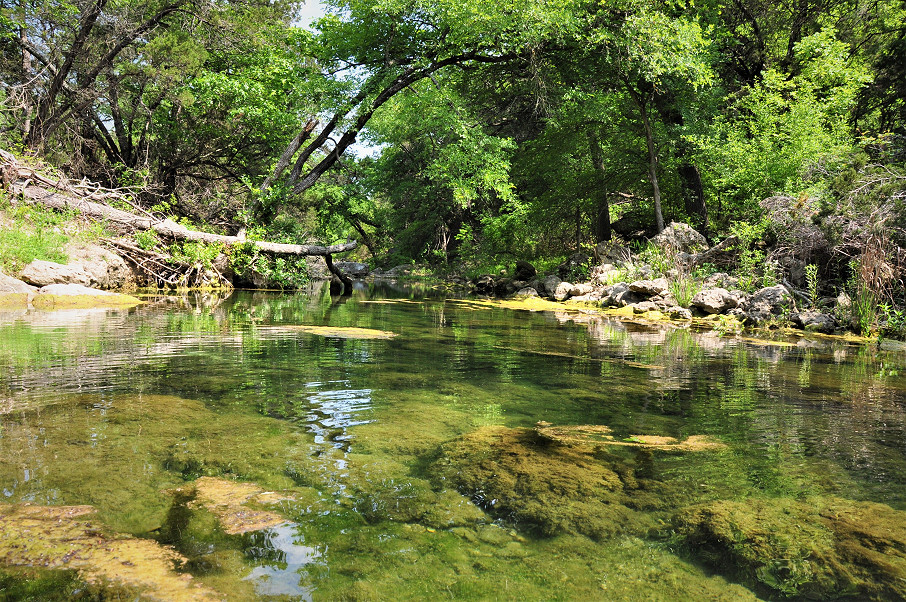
[[658, 286], [678, 313], [484, 284], [714, 300], [768, 303], [681, 238], [550, 284], [581, 289], [563, 291], [353, 269], [644, 306], [105, 269], [526, 292], [600, 273], [814, 321], [42, 273], [14, 292]]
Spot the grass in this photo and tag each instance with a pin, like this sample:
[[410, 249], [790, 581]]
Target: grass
[[28, 233]]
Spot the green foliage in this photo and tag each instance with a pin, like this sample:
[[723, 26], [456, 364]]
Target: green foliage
[[146, 239], [195, 253], [811, 279], [35, 233], [780, 126]]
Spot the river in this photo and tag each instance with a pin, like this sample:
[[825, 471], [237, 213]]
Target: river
[[387, 442]]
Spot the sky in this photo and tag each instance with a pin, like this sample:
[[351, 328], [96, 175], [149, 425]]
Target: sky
[[310, 11]]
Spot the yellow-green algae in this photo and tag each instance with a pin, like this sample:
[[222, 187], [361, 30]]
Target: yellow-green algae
[[148, 443], [230, 502], [586, 434], [52, 301], [554, 488], [68, 537], [340, 332], [819, 548]]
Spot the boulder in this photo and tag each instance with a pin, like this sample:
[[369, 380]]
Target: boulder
[[681, 238], [105, 269], [644, 306], [768, 303], [714, 300], [814, 321], [353, 269], [484, 284], [620, 295], [678, 313], [527, 292], [563, 291], [550, 284], [658, 286], [602, 274], [71, 296], [42, 273], [581, 289], [816, 549], [524, 271], [14, 292]]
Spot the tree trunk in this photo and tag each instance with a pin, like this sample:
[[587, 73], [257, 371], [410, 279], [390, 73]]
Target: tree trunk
[[169, 228], [602, 218], [652, 169]]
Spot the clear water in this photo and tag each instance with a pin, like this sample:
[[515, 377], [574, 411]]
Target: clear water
[[116, 409]]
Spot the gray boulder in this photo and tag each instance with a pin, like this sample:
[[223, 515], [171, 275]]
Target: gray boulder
[[814, 321], [581, 289], [550, 284], [658, 286], [353, 269], [620, 295], [526, 292], [714, 300], [14, 292], [768, 303], [105, 269], [563, 291], [720, 280], [678, 313], [42, 273], [643, 306], [484, 284], [681, 238]]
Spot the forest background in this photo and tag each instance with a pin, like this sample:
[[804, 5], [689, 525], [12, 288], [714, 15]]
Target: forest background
[[464, 136]]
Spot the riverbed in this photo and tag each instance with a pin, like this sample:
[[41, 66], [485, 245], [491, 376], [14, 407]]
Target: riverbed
[[403, 443]]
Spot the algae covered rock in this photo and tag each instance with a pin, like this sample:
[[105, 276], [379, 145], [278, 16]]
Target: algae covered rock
[[546, 485], [821, 548], [70, 538]]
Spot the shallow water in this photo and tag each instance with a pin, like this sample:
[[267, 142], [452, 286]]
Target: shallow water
[[117, 409]]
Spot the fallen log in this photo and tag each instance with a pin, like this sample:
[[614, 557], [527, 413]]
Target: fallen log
[[169, 228]]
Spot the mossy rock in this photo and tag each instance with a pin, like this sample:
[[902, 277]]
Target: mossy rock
[[821, 548], [553, 488]]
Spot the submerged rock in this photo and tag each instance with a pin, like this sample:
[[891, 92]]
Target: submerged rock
[[820, 548], [15, 293], [549, 486], [69, 537]]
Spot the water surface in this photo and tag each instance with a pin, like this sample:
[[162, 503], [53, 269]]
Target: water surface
[[117, 409]]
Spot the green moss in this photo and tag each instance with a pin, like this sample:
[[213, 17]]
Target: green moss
[[552, 488], [821, 548]]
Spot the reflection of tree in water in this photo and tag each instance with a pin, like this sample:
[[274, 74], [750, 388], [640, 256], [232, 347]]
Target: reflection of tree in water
[[333, 408]]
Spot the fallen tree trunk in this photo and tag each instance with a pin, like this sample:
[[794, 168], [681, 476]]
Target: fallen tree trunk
[[169, 228]]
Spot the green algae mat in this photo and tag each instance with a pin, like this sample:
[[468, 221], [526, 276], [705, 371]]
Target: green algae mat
[[396, 445]]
